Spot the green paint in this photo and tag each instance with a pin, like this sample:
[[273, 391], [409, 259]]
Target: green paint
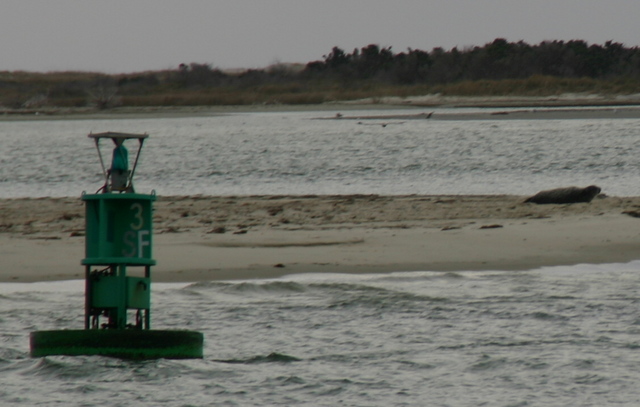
[[126, 344], [119, 229]]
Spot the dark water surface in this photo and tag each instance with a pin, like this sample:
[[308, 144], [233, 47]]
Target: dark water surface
[[550, 337]]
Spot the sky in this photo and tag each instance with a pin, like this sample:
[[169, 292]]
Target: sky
[[126, 36]]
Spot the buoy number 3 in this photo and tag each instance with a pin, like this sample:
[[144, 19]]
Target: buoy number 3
[[136, 238]]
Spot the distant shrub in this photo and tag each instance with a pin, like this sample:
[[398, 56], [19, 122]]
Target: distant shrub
[[103, 93]]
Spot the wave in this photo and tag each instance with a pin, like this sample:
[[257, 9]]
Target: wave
[[270, 358], [264, 286]]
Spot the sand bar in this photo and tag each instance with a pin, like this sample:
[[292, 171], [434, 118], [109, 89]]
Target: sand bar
[[431, 106], [201, 238]]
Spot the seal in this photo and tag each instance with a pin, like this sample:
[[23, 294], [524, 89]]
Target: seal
[[565, 195]]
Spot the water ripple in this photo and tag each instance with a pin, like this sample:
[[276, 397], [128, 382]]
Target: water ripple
[[248, 154]]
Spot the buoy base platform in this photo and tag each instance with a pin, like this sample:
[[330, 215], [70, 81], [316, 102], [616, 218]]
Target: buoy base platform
[[118, 343]]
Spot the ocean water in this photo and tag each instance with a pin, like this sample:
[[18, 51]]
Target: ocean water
[[559, 336], [294, 153]]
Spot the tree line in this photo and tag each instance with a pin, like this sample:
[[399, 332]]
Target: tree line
[[497, 60], [499, 67]]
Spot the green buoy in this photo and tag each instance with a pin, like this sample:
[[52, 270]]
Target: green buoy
[[118, 260]]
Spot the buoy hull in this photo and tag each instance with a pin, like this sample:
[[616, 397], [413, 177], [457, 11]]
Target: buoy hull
[[124, 344]]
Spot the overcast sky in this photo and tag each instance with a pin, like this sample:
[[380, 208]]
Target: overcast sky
[[122, 36]]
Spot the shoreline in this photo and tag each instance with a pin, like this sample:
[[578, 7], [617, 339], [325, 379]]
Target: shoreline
[[205, 238], [566, 106]]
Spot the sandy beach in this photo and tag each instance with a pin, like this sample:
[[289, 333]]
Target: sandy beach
[[200, 238]]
